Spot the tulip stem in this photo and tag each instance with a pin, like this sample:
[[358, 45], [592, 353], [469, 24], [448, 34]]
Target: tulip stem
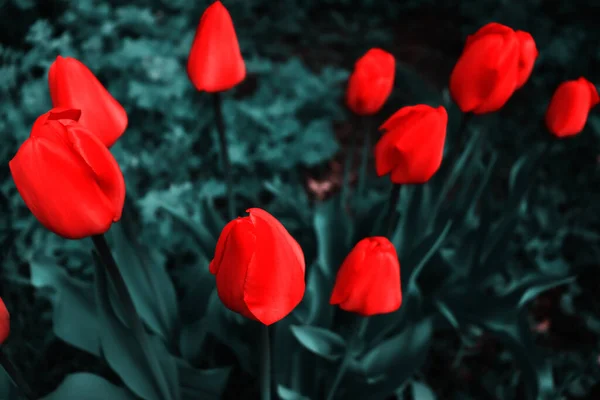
[[362, 177], [356, 337], [132, 318], [348, 166], [394, 197], [218, 108], [265, 364], [15, 376]]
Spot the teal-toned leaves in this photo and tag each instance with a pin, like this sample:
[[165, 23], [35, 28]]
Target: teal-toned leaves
[[288, 394], [150, 286], [332, 227], [143, 364], [420, 391], [74, 317], [322, 342], [83, 385], [8, 391], [407, 350], [206, 384]]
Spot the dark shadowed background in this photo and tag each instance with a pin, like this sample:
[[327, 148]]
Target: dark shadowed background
[[289, 132]]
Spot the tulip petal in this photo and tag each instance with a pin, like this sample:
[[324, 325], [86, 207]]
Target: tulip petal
[[4, 322], [237, 257], [60, 188], [569, 107], [215, 62], [528, 55], [275, 280], [73, 85]]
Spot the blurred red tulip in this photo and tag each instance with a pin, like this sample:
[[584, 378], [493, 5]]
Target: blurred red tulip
[[4, 322], [495, 62], [73, 85], [371, 82], [259, 268], [368, 281], [215, 62], [570, 105], [67, 177], [412, 145]]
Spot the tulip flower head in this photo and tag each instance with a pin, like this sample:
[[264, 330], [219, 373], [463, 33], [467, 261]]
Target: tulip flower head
[[412, 146], [568, 110], [215, 63], [4, 322], [495, 62], [368, 282], [67, 177], [259, 268], [371, 82], [73, 85]]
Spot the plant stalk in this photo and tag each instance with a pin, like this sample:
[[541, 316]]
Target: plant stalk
[[218, 108], [15, 376], [364, 161], [132, 318], [358, 335], [393, 202], [265, 364]]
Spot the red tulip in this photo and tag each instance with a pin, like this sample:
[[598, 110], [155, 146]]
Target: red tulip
[[495, 62], [67, 177], [259, 268], [73, 85], [570, 106], [4, 322], [368, 281], [215, 62], [412, 145], [371, 82]]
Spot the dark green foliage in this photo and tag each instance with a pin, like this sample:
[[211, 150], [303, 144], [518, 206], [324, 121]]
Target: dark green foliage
[[499, 251]]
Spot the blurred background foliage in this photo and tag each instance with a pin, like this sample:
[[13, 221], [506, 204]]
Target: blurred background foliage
[[289, 133]]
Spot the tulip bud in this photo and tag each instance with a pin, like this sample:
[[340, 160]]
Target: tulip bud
[[73, 85], [368, 282], [412, 146], [495, 62], [67, 177], [215, 63], [371, 82], [4, 322], [569, 108], [259, 268]]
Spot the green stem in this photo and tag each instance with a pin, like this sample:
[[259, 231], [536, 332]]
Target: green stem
[[393, 202], [358, 335], [132, 318], [364, 161], [217, 105], [265, 364], [15, 376]]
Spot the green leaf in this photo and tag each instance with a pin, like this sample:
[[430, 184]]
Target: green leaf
[[421, 391], [128, 356], [402, 354], [311, 311], [288, 394], [83, 385], [206, 384], [205, 240], [74, 316], [330, 222], [322, 342], [8, 391], [150, 286]]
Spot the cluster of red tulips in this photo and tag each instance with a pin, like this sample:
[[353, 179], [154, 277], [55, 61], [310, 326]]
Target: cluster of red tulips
[[69, 180]]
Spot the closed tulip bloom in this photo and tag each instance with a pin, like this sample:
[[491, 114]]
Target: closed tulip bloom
[[495, 62], [368, 282], [67, 177], [73, 85], [4, 322], [371, 82], [259, 268], [569, 108], [412, 145], [215, 63]]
